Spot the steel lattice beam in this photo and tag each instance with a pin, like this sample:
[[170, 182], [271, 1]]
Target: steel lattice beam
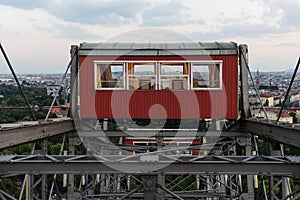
[[282, 134], [281, 166], [19, 136], [150, 134], [13, 137]]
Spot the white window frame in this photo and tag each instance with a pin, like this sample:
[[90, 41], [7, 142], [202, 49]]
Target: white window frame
[[217, 62], [109, 63], [157, 75], [131, 75], [174, 61]]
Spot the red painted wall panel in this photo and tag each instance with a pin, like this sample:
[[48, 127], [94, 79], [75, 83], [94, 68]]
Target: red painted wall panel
[[170, 104]]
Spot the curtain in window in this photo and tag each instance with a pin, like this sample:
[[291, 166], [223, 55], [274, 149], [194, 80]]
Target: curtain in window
[[213, 75], [130, 68], [98, 77], [185, 68], [106, 75]]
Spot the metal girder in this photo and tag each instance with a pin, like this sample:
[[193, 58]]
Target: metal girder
[[183, 194], [13, 137], [285, 135], [74, 81], [101, 133], [243, 60], [146, 164], [282, 134], [17, 136]]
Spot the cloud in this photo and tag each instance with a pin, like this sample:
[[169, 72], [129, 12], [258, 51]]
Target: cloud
[[288, 44], [257, 20], [38, 42], [253, 18], [248, 30], [40, 22], [27, 5], [146, 13], [68, 31], [269, 27], [74, 32], [113, 12], [105, 12], [150, 35], [291, 12], [166, 14]]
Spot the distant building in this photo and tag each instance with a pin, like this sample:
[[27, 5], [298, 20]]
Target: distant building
[[298, 115], [269, 87], [273, 115], [52, 89], [253, 100], [40, 86], [6, 80], [285, 118], [263, 86], [267, 99], [58, 110], [295, 97], [277, 100], [257, 79]]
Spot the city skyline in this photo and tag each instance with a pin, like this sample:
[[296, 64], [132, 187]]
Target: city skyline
[[37, 35]]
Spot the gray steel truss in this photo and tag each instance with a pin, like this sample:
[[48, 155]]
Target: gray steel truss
[[242, 128], [282, 134], [17, 136], [137, 164]]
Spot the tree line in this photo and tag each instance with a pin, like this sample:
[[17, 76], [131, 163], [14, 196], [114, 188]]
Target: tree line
[[13, 107]]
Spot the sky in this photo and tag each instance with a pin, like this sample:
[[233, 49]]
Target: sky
[[37, 35]]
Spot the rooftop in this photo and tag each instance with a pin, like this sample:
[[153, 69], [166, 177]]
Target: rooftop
[[196, 48]]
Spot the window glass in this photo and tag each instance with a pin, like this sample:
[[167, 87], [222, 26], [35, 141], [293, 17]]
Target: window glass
[[170, 76], [110, 76], [174, 76], [143, 69], [141, 83], [206, 75], [174, 83], [171, 69], [141, 76]]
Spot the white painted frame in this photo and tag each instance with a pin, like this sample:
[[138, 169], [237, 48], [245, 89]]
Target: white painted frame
[[157, 72], [109, 63], [217, 62], [134, 61], [174, 61]]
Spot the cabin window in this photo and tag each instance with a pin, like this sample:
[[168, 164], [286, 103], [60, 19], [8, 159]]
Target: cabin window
[[206, 76], [141, 76], [110, 76], [174, 76], [199, 75]]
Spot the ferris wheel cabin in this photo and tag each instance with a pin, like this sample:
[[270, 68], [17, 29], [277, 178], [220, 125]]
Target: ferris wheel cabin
[[158, 80]]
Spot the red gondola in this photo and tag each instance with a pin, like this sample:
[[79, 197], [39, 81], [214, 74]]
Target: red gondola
[[158, 81]]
